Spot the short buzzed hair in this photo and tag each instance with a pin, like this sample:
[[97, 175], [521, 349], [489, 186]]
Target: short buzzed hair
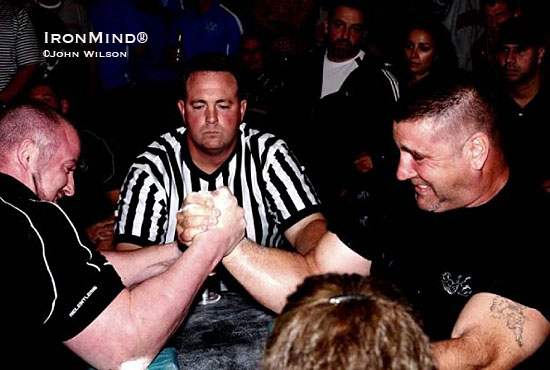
[[345, 321], [210, 62], [34, 121], [456, 109]]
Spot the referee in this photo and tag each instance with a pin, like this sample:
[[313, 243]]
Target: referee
[[213, 149]]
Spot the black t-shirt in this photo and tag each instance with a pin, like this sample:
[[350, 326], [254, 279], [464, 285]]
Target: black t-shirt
[[439, 260], [55, 286], [525, 134]]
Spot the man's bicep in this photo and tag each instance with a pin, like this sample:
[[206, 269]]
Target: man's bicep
[[331, 255], [512, 329], [96, 343], [305, 234]]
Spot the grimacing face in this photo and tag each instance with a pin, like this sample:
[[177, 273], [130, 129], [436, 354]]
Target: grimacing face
[[54, 179], [438, 171], [419, 52], [345, 30], [212, 112]]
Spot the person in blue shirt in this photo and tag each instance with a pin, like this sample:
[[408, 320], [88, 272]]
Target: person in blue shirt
[[207, 26]]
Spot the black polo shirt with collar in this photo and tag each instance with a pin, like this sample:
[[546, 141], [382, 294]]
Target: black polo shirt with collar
[[54, 285]]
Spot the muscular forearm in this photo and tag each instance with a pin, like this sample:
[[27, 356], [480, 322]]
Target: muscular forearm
[[135, 266], [135, 326], [462, 354], [269, 274]]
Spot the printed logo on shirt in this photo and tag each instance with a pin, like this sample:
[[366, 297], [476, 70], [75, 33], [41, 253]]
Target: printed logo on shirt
[[458, 286], [211, 26], [82, 301]]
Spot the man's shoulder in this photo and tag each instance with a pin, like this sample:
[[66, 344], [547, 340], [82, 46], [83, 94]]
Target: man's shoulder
[[521, 208], [169, 141], [258, 139], [372, 66], [16, 197], [374, 78], [222, 11], [165, 149], [24, 217]]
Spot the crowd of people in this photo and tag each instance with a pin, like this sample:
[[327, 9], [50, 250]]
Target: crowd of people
[[276, 141]]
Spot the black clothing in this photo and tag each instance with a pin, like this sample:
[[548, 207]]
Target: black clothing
[[439, 260], [56, 286], [329, 133], [526, 134]]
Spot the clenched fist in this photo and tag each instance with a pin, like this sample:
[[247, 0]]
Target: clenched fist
[[214, 217]]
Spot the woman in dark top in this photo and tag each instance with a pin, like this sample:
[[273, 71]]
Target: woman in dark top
[[427, 54]]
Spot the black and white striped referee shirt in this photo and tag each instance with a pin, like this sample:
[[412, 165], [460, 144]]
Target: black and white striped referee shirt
[[262, 173]]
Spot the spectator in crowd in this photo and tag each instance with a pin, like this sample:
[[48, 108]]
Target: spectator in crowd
[[156, 87], [428, 53], [113, 113], [449, 255], [152, 65], [463, 20], [337, 85], [115, 17], [206, 26], [62, 18], [263, 85], [72, 14], [288, 28], [495, 12], [344, 322], [19, 55], [524, 99], [114, 310]]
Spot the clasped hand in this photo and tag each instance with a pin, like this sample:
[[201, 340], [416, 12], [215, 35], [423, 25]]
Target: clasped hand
[[215, 215]]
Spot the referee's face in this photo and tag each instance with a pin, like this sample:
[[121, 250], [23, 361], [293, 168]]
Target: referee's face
[[212, 113]]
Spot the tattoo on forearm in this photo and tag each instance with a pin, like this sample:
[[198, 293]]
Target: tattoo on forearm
[[512, 313]]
